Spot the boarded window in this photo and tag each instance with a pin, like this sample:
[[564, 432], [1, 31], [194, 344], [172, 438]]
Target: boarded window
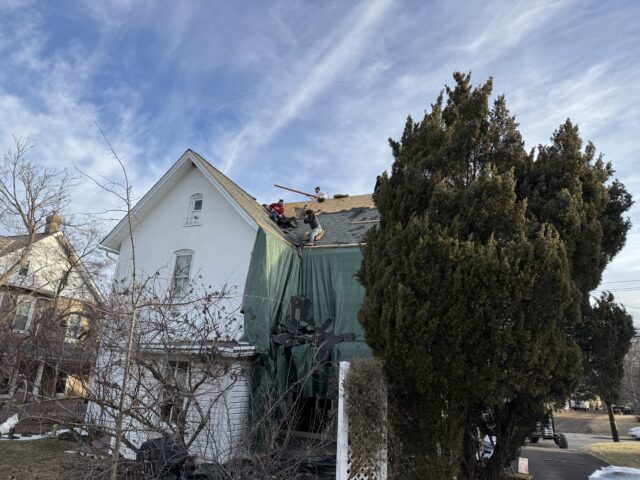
[[61, 383]]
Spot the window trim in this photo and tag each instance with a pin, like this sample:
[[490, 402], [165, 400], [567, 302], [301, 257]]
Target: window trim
[[27, 326], [81, 328], [175, 294], [194, 217], [178, 398]]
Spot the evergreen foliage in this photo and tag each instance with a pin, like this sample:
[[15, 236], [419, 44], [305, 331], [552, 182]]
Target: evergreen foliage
[[608, 330], [477, 276]]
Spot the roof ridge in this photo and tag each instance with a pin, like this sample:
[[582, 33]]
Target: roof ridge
[[221, 173]]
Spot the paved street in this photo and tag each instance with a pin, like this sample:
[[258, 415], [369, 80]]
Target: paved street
[[550, 464]]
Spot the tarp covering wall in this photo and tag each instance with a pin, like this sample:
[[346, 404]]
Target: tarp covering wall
[[272, 280], [327, 277]]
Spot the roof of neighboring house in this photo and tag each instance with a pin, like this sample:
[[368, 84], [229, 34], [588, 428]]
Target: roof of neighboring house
[[12, 243], [248, 203]]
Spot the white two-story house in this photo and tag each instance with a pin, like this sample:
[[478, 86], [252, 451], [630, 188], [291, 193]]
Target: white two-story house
[[189, 247]]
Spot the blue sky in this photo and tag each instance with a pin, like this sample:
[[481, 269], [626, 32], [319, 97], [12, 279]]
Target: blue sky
[[306, 93]]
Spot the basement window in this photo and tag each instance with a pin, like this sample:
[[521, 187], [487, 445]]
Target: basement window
[[195, 209]]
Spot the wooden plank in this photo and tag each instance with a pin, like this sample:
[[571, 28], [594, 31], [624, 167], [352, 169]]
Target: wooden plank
[[297, 191]]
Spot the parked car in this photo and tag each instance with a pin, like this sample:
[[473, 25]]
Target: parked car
[[622, 409], [580, 405], [635, 433]]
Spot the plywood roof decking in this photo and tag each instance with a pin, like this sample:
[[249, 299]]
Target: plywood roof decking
[[332, 205]]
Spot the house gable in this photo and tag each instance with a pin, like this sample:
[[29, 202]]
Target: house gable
[[238, 200], [51, 255]]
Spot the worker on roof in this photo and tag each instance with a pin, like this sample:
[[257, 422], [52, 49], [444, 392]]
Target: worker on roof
[[316, 230], [320, 196], [276, 212]]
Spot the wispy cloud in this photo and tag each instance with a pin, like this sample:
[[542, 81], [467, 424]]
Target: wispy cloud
[[347, 45], [305, 93]]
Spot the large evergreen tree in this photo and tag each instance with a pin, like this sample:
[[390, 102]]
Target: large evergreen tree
[[477, 277]]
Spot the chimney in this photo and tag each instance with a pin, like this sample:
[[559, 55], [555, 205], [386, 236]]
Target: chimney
[[53, 223]]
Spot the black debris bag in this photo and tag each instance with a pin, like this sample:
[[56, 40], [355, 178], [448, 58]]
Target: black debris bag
[[162, 458]]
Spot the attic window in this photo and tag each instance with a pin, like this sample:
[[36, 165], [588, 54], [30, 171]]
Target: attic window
[[195, 209]]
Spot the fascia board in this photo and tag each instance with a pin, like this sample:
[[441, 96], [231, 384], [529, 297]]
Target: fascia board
[[82, 270]]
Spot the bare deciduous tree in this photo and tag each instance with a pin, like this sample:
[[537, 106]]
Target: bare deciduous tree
[[28, 194]]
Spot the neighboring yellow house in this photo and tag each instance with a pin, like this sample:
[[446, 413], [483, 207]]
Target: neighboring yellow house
[[48, 341]]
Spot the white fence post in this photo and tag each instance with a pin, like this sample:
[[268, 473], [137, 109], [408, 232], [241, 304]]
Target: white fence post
[[342, 452]]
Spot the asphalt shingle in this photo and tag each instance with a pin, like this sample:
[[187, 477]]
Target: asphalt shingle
[[340, 228]]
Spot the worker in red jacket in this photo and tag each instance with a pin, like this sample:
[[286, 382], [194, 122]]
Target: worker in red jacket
[[277, 211]]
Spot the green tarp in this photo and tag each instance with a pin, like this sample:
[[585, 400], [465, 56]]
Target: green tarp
[[273, 279], [328, 279], [326, 276]]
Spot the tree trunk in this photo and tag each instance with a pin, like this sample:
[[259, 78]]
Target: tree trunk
[[35, 391], [612, 422]]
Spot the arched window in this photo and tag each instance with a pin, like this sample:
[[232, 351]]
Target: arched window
[[181, 273], [195, 209]]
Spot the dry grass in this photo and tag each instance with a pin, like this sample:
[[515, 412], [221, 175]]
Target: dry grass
[[624, 454], [36, 459], [596, 423], [46, 460]]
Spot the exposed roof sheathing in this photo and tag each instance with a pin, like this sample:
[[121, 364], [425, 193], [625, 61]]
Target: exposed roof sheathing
[[332, 205]]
